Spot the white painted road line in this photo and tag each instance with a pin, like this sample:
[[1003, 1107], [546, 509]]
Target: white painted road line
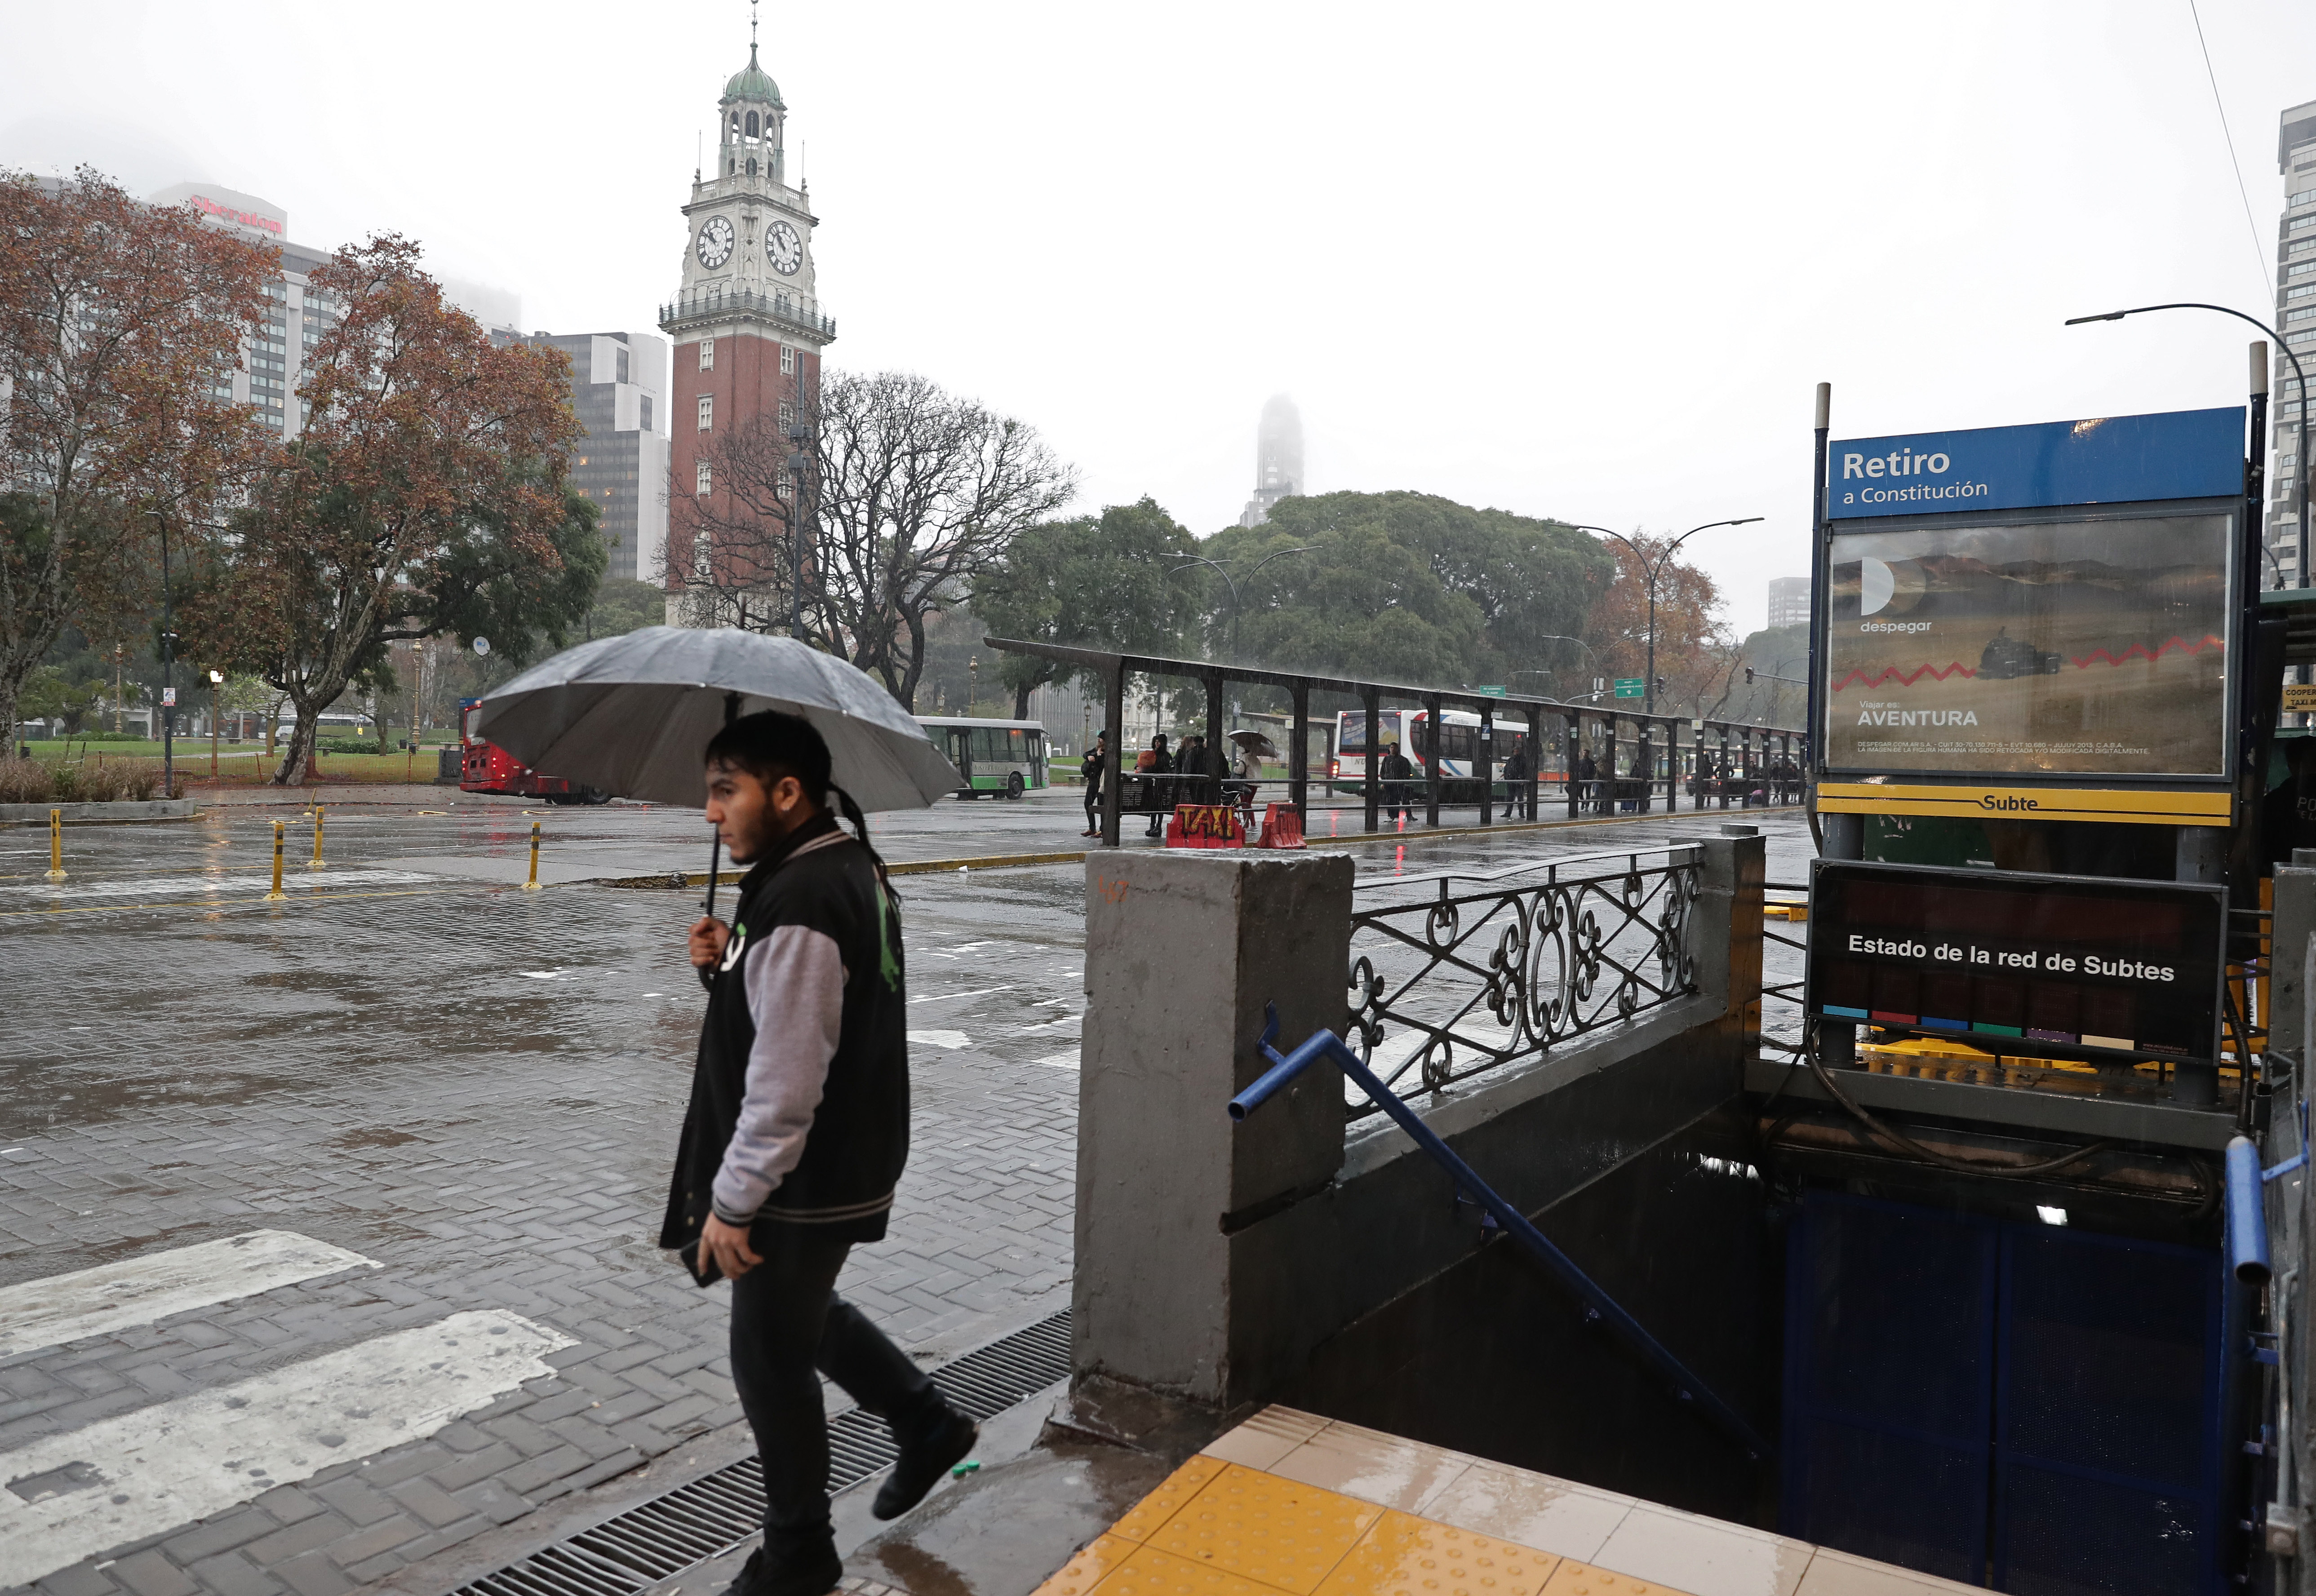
[[73, 1496], [112, 1297]]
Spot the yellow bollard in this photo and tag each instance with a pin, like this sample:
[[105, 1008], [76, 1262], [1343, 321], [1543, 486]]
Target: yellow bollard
[[277, 894], [315, 863], [56, 844], [532, 885]]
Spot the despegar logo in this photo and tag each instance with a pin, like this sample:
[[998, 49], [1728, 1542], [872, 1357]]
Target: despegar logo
[[1895, 626]]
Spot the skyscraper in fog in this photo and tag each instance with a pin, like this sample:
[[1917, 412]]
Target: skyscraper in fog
[[1277, 459], [618, 386]]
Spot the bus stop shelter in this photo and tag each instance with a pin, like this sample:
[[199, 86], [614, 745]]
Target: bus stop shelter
[[1776, 755]]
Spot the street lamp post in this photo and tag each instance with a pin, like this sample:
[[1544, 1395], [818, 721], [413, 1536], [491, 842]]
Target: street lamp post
[[799, 464], [1655, 569], [1231, 582], [168, 670], [215, 677], [2300, 433]]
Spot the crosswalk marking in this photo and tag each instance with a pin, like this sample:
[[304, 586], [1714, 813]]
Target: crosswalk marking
[[60, 1308], [72, 1496]]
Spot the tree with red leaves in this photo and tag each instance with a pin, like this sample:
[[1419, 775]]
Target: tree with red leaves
[[118, 323], [427, 496]]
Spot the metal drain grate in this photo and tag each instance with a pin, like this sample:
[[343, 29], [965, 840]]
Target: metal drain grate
[[718, 1511]]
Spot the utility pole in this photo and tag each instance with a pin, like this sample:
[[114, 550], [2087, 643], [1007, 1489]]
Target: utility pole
[[1652, 570]]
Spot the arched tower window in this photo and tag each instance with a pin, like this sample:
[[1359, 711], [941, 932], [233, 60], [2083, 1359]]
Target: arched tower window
[[735, 121], [751, 124]]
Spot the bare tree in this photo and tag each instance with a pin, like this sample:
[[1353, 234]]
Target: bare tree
[[905, 495]]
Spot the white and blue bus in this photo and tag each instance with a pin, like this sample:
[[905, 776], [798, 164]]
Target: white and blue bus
[[1007, 756], [1458, 746]]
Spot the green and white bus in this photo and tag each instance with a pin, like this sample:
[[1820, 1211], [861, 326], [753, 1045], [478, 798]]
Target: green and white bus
[[1007, 756]]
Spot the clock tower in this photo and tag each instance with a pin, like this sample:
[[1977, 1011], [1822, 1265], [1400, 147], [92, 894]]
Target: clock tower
[[746, 325]]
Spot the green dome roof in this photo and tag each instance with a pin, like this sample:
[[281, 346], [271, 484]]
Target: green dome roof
[[753, 83]]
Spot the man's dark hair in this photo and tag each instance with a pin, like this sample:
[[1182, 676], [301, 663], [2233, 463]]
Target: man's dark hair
[[771, 745]]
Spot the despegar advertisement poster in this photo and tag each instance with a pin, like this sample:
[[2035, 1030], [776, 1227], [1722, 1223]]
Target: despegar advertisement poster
[[2077, 647]]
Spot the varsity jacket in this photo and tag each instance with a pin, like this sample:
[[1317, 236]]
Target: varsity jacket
[[799, 1111]]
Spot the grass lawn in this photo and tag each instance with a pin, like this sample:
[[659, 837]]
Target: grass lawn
[[248, 764]]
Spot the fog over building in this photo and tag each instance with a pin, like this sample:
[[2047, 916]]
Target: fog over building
[[1277, 459], [1789, 600]]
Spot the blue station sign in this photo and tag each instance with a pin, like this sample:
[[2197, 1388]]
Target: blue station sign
[[2114, 459]]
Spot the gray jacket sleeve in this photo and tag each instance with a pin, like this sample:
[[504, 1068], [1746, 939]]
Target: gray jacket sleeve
[[795, 983]]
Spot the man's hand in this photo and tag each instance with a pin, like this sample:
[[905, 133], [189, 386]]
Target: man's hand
[[708, 937], [726, 1246]]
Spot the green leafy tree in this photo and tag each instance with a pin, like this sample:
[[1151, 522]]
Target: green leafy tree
[[622, 607], [1109, 581], [1402, 586]]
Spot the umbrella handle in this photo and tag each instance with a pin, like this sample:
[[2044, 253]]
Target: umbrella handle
[[715, 848]]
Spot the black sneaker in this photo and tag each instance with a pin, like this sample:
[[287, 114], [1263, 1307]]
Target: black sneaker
[[922, 1461], [814, 1574]]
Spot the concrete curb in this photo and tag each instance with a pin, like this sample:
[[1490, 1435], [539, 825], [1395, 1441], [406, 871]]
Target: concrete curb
[[998, 861], [115, 813]]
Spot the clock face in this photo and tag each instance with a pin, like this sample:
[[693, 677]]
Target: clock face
[[786, 250], [716, 242]]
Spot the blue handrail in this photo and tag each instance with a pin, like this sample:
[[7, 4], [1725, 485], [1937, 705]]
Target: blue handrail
[[1599, 1306]]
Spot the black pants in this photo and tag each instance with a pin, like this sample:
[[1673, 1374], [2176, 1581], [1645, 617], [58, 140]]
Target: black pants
[[1093, 806], [788, 1327]]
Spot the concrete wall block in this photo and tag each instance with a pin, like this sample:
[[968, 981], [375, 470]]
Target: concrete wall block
[[2295, 924], [1183, 951]]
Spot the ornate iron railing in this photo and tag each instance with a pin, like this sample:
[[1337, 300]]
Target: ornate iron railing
[[1477, 973]]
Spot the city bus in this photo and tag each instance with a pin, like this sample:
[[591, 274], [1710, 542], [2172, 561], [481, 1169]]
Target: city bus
[[1458, 750], [1007, 756], [486, 767]]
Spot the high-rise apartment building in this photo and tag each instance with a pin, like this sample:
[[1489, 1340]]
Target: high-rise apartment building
[[1277, 459], [2295, 319], [293, 320], [296, 316], [619, 387], [1789, 600]]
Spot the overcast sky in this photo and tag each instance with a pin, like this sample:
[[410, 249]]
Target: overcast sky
[[1580, 261]]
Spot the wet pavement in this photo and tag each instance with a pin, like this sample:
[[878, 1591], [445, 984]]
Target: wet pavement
[[476, 1088]]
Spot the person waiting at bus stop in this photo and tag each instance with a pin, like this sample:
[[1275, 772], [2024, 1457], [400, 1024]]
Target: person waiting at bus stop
[[1154, 761], [1518, 793], [1396, 770], [1097, 762], [795, 1138]]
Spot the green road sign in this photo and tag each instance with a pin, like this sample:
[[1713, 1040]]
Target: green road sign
[[1494, 692], [1630, 687]]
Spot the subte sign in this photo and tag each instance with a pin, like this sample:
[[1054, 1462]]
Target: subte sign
[[2064, 966]]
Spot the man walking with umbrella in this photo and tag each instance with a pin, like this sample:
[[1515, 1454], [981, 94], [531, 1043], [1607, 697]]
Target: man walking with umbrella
[[795, 1135]]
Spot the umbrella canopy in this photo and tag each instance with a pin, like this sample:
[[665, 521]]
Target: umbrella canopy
[[632, 715], [1256, 741]]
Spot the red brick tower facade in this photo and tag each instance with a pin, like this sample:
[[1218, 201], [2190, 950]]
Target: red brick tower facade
[[748, 330]]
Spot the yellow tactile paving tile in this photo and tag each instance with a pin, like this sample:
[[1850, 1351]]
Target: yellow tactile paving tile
[[1150, 1572], [1153, 1510], [1404, 1555], [1091, 1565], [1260, 1526], [1577, 1579]]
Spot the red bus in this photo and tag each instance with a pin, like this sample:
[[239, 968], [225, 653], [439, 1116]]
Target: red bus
[[486, 767]]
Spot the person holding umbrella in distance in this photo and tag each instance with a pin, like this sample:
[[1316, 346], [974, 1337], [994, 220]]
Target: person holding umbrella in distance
[[798, 1126]]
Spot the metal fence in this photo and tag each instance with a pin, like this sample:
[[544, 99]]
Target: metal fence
[[1458, 972]]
